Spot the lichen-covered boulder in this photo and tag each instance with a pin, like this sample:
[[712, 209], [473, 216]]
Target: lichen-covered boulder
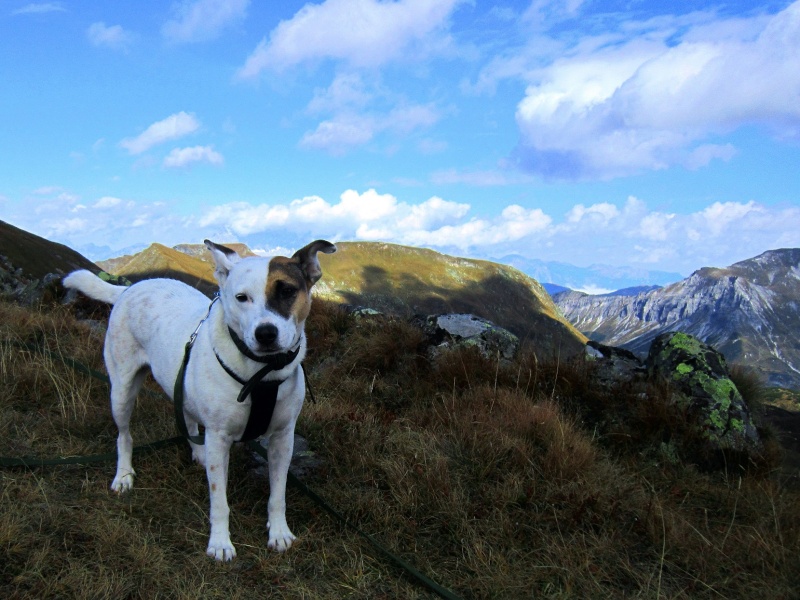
[[453, 330], [613, 366], [699, 375]]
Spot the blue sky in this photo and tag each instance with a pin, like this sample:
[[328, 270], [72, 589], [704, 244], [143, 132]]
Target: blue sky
[[657, 135]]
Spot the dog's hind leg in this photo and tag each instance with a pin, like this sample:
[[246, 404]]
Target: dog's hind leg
[[126, 380]]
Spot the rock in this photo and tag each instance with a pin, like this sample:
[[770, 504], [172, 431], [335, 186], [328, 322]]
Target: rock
[[364, 311], [453, 330], [304, 460], [26, 290], [699, 376], [614, 365]]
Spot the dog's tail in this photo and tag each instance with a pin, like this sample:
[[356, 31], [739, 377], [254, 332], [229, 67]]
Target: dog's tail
[[91, 285]]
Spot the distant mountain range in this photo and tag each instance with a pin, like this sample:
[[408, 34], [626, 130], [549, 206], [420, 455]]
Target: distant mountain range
[[594, 279], [750, 311]]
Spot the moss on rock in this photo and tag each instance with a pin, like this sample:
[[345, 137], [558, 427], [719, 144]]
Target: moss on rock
[[699, 375]]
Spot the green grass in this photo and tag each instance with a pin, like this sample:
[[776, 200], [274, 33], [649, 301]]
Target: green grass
[[520, 480]]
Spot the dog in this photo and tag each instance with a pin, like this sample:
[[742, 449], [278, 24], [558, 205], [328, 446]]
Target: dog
[[261, 313]]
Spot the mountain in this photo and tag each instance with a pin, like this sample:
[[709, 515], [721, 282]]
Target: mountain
[[37, 256], [594, 277], [634, 291], [748, 311], [398, 280], [158, 260], [405, 280]]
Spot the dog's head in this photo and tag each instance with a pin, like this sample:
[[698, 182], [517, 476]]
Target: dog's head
[[266, 301]]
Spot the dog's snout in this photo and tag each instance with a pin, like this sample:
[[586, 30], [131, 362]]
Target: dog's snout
[[266, 334]]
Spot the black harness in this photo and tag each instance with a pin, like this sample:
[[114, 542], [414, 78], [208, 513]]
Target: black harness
[[263, 394]]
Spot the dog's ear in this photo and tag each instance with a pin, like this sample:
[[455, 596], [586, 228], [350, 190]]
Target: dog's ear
[[224, 259], [307, 257]]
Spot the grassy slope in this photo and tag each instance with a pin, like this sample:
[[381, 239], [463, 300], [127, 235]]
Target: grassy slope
[[498, 481], [402, 280], [158, 260], [37, 256]]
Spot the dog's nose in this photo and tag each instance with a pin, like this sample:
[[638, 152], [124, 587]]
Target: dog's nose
[[266, 334]]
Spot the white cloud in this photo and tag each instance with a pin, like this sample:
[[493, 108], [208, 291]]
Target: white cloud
[[348, 130], [374, 216], [173, 127], [67, 227], [244, 219], [613, 106], [513, 224], [601, 213], [202, 20], [718, 217], [47, 190], [655, 226], [433, 212], [369, 206], [182, 157], [107, 202], [340, 134], [362, 33], [625, 233], [347, 91], [705, 153], [40, 8], [114, 36]]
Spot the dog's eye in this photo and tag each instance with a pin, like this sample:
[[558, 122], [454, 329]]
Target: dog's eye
[[287, 291], [241, 297]]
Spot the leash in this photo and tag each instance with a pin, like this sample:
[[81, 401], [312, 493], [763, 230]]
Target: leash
[[413, 572], [32, 462], [177, 393]]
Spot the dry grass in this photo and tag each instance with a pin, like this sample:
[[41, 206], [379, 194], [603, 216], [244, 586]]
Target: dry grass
[[499, 481]]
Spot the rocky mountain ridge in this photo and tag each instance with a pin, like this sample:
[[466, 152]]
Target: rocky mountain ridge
[[749, 311]]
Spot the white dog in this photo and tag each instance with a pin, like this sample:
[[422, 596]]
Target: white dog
[[260, 318]]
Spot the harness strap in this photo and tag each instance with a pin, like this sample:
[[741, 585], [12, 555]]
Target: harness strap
[[263, 394], [263, 397]]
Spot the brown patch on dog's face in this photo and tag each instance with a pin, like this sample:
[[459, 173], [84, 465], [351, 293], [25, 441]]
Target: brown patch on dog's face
[[287, 291]]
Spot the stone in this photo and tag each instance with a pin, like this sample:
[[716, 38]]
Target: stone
[[699, 376], [614, 365], [453, 330], [304, 460]]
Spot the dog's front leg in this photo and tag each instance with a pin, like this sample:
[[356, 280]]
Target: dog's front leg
[[281, 446], [218, 448]]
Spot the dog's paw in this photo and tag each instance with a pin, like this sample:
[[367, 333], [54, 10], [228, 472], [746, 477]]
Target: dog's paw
[[123, 482], [199, 455], [280, 538], [221, 549]]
